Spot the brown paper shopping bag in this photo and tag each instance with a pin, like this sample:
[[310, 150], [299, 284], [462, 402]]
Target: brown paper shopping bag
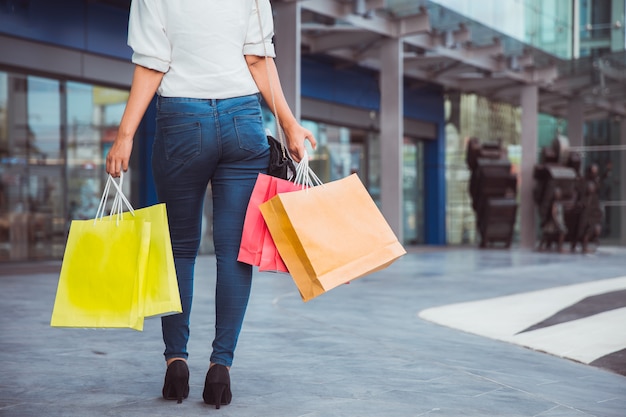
[[330, 234]]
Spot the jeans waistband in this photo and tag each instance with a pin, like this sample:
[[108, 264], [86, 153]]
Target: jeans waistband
[[213, 102]]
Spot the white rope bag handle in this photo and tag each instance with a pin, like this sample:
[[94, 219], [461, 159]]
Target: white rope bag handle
[[120, 200], [279, 130]]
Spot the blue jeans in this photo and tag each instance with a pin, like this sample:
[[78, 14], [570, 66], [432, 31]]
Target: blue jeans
[[221, 142]]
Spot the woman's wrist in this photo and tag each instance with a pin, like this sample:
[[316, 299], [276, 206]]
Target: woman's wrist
[[289, 123], [125, 134]]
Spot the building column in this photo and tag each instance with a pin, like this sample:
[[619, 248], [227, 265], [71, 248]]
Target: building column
[[392, 133], [287, 29], [617, 15], [575, 30], [621, 174], [576, 122], [529, 104]]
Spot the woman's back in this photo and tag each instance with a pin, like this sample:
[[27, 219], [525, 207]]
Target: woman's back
[[199, 44]]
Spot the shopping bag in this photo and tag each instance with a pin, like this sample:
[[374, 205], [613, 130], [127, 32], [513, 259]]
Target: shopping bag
[[160, 285], [330, 234], [270, 258], [254, 225], [255, 237], [102, 273], [117, 269]]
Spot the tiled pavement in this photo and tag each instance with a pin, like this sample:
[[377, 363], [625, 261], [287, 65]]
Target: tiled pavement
[[361, 350], [578, 321]]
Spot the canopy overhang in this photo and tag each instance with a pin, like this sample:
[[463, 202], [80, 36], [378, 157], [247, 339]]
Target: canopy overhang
[[466, 56]]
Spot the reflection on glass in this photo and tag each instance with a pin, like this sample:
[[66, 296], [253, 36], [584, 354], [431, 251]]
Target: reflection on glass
[[44, 119], [467, 116], [84, 162], [607, 133], [53, 138], [413, 191], [343, 151], [545, 24], [4, 98], [30, 173], [93, 115], [340, 151], [45, 205], [5, 224]]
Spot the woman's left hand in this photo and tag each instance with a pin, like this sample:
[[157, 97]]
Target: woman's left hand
[[295, 136]]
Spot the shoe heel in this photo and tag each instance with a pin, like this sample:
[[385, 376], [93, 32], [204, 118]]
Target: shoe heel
[[218, 391], [176, 385], [217, 386]]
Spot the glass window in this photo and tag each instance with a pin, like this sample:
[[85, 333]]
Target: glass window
[[53, 139], [413, 191], [342, 151], [93, 115], [45, 206], [31, 169], [5, 157], [549, 26], [468, 116], [606, 134], [545, 24]]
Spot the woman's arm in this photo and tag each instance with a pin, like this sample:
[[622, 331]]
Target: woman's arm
[[295, 134], [142, 90]]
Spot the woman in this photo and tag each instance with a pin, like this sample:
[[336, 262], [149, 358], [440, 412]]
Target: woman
[[205, 60]]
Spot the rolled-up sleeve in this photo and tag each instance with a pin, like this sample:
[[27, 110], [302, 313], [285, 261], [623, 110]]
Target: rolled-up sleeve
[[147, 37], [254, 39]]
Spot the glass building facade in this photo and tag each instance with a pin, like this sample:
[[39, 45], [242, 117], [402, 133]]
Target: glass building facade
[[345, 150], [54, 136], [472, 116], [548, 25], [56, 125], [544, 24]]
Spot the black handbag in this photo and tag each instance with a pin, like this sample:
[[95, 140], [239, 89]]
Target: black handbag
[[281, 165]]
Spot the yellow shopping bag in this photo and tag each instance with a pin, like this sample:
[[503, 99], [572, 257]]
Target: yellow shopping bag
[[160, 289], [102, 274], [117, 269], [330, 234]]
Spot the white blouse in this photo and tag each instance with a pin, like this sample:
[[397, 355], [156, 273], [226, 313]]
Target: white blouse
[[200, 44]]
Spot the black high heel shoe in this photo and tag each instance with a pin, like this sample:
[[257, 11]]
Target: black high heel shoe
[[217, 386], [176, 385]]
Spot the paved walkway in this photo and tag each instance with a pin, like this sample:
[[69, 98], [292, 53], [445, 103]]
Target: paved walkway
[[371, 348]]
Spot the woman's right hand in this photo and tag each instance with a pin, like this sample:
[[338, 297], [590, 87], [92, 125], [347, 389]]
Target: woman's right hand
[[119, 156], [144, 85]]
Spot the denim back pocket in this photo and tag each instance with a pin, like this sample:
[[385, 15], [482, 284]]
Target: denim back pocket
[[250, 132], [182, 142]]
